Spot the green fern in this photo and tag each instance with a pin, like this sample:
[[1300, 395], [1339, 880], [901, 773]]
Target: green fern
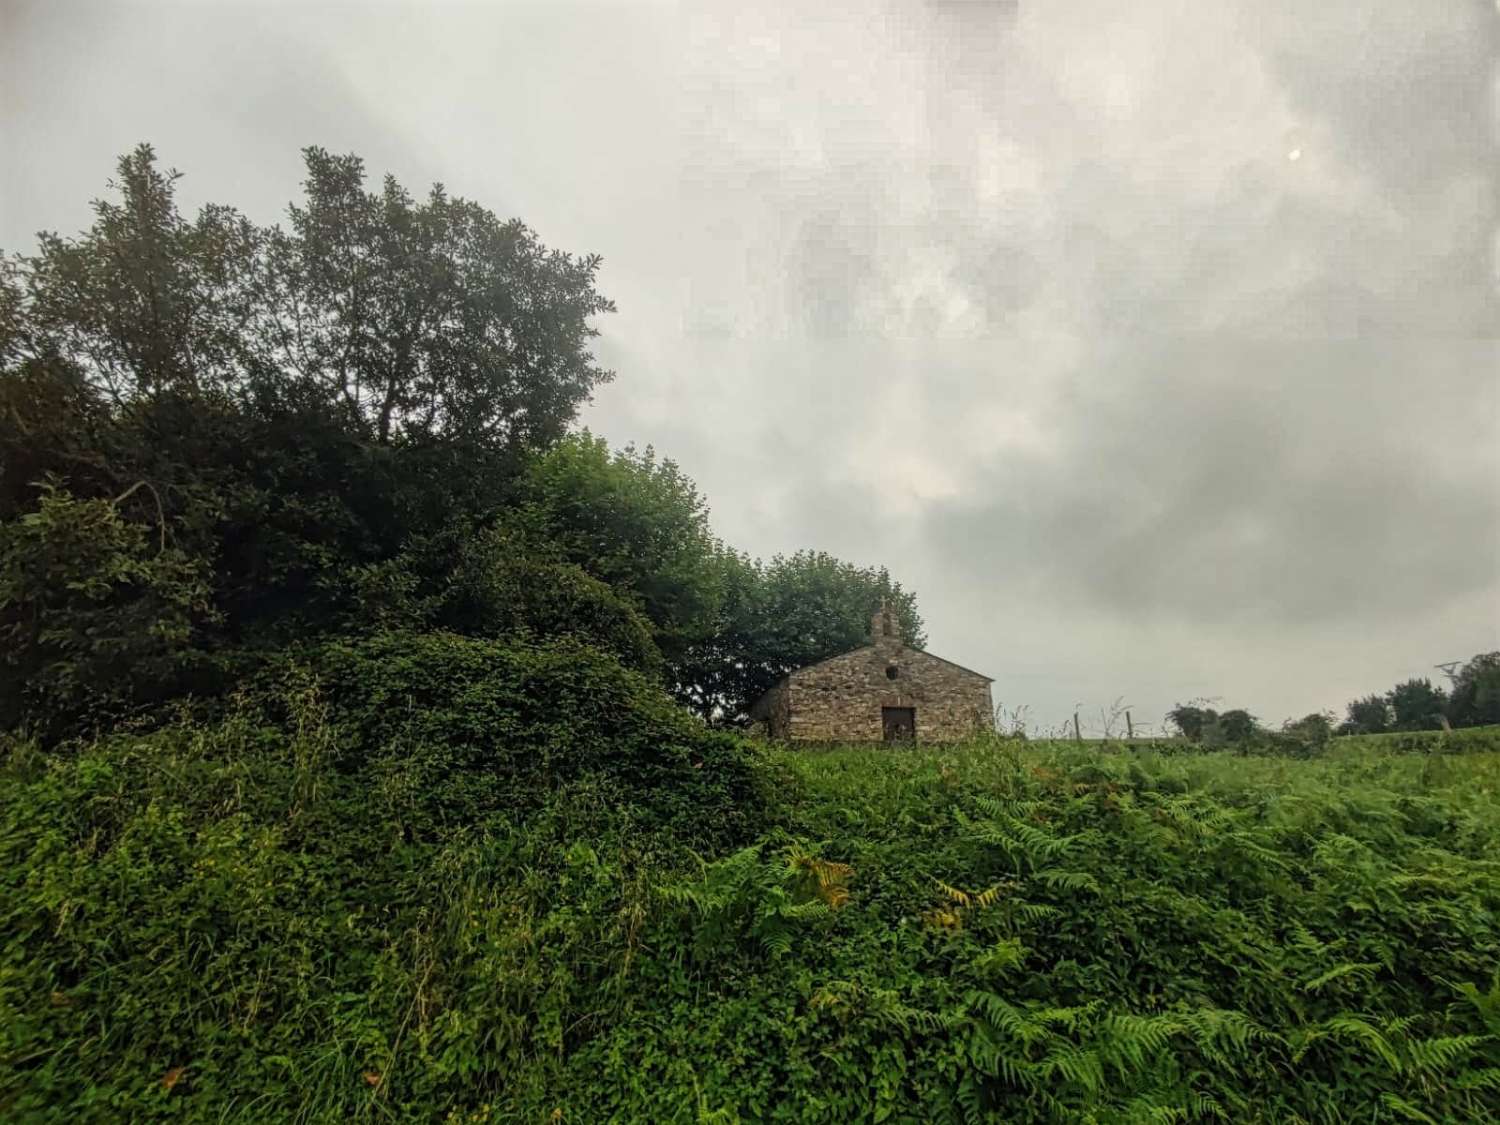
[[1361, 970]]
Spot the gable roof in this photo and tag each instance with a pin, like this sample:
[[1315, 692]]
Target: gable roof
[[840, 655], [951, 664]]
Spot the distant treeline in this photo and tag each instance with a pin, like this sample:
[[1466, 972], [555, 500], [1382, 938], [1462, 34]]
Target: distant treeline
[[1419, 705], [1416, 705]]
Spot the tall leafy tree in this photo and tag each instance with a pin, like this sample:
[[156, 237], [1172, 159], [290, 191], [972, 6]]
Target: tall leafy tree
[[1416, 705], [790, 612], [276, 410], [1475, 700], [429, 318], [637, 522], [1369, 715], [147, 302]]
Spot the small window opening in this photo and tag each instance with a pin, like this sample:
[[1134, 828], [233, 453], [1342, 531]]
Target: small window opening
[[891, 671]]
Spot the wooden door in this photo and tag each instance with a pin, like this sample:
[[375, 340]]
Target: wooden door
[[900, 723]]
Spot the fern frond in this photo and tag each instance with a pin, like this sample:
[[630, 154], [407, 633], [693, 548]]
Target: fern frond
[[989, 897], [1001, 956], [1354, 1029], [1434, 1055], [1363, 969], [955, 895], [1036, 911], [1205, 1106], [1070, 881], [1074, 1064], [1406, 1109], [1486, 1079]]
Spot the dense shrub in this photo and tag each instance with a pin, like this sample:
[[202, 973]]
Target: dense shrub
[[464, 727], [412, 873], [212, 924], [504, 586], [262, 920], [96, 612], [1062, 934]]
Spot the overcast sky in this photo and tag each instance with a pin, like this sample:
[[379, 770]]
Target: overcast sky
[[1155, 345]]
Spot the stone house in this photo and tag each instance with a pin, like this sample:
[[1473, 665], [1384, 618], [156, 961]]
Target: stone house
[[882, 692]]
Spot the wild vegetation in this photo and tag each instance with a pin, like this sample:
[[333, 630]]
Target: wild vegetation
[[367, 752], [348, 911]]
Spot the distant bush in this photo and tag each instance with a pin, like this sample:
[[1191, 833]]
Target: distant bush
[[1204, 725]]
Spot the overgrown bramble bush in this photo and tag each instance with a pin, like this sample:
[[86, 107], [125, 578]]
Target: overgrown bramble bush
[[266, 919], [414, 872], [460, 728]]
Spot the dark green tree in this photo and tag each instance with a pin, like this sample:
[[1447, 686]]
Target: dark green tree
[[96, 612], [1416, 705], [1192, 720], [1475, 700], [1236, 726], [1369, 715], [288, 411], [428, 319], [147, 302], [782, 615]]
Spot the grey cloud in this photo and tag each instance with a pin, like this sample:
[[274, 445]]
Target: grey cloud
[[1154, 345], [1280, 488]]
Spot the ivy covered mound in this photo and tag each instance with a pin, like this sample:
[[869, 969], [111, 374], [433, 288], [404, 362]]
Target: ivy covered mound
[[386, 878], [428, 878]]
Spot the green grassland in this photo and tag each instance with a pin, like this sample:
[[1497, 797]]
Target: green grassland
[[321, 910]]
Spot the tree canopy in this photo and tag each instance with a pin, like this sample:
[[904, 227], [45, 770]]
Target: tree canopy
[[219, 438]]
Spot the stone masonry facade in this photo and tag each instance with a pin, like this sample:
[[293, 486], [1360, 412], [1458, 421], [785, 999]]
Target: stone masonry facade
[[860, 695]]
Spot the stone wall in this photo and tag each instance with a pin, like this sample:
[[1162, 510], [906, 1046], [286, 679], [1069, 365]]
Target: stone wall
[[771, 715], [840, 700]]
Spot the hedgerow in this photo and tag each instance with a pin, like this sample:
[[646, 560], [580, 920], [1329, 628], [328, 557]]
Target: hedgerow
[[1463, 740]]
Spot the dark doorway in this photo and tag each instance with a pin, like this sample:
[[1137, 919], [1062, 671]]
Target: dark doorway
[[900, 723]]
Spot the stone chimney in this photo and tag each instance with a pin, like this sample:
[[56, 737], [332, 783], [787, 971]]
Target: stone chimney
[[883, 624]]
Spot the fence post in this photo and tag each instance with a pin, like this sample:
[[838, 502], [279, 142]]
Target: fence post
[[1129, 726], [1076, 736]]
